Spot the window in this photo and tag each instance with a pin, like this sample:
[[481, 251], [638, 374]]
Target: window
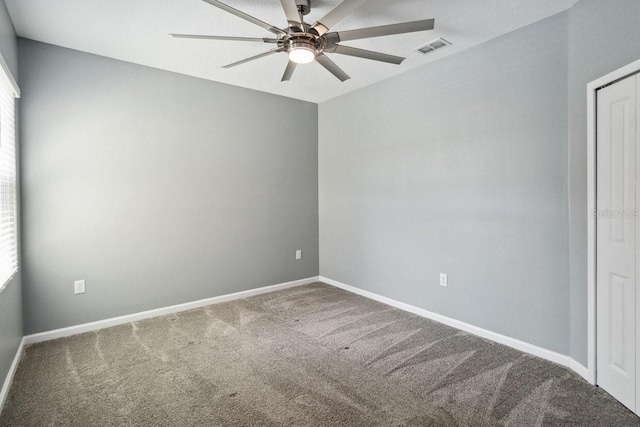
[[8, 204]]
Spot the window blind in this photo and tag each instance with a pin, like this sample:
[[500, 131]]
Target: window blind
[[8, 203]]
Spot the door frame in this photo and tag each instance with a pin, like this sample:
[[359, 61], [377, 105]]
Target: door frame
[[592, 99]]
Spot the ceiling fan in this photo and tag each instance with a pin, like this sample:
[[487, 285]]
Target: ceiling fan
[[305, 43]]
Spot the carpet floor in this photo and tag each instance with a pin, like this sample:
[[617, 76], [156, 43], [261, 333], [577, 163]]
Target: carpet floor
[[312, 355]]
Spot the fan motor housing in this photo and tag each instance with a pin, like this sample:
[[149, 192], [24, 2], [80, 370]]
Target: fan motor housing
[[306, 41]]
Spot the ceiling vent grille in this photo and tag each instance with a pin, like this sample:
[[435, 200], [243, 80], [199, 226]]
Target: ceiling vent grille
[[433, 46]]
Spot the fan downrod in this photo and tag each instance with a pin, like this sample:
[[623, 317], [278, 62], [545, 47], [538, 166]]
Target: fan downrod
[[304, 6]]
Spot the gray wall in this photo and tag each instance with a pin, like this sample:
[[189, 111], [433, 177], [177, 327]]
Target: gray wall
[[457, 167], [11, 296], [476, 166], [156, 188], [8, 43], [603, 36], [10, 324]]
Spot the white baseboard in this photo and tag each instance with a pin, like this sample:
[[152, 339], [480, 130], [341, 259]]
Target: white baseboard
[[583, 371], [101, 324], [493, 336], [4, 393], [114, 321]]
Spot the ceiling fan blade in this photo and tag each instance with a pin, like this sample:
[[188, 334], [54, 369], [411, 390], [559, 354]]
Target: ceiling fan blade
[[291, 12], [366, 54], [244, 16], [239, 39], [288, 72], [336, 15], [332, 67], [387, 30], [262, 55]]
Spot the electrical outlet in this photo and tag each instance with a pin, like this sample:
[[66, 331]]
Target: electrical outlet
[[444, 280], [299, 254], [78, 287]]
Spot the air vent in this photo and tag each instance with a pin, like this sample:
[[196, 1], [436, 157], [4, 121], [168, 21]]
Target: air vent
[[433, 45]]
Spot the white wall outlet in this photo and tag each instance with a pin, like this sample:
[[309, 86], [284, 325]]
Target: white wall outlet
[[444, 279], [78, 287], [299, 254]]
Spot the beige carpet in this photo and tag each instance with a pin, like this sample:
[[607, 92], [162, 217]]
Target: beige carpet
[[308, 356]]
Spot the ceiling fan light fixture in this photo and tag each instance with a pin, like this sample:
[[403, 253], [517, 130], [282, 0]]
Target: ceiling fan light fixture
[[302, 52], [305, 43]]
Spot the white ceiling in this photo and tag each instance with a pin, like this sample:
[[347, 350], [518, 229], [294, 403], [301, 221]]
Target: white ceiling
[[138, 31]]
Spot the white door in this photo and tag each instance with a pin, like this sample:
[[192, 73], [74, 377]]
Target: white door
[[616, 240]]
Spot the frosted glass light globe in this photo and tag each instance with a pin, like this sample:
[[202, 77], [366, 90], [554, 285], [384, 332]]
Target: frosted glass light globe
[[302, 55]]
